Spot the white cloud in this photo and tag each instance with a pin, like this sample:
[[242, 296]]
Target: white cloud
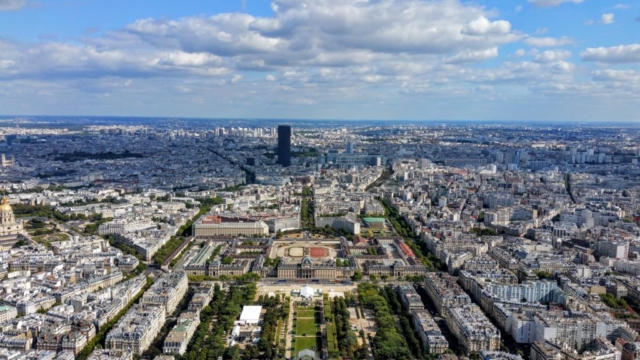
[[351, 30], [345, 55], [9, 5], [542, 30], [551, 3], [615, 54], [473, 56], [607, 19], [482, 26], [621, 6], [551, 55], [518, 8], [616, 75], [548, 41], [182, 59], [519, 53]]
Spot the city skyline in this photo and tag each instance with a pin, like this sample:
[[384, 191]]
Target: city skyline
[[548, 60], [150, 237]]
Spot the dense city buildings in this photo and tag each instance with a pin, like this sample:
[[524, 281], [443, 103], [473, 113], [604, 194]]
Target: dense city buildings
[[467, 235]]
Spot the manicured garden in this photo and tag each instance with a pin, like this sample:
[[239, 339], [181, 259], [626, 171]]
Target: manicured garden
[[306, 325], [304, 343], [305, 313]]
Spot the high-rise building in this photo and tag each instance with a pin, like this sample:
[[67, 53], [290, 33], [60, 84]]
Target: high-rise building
[[284, 145], [350, 148]]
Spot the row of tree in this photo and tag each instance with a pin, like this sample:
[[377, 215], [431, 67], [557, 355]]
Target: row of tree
[[208, 341], [388, 342], [272, 262], [244, 278], [347, 340], [404, 317], [169, 247], [185, 230], [266, 348], [22, 210], [402, 227]]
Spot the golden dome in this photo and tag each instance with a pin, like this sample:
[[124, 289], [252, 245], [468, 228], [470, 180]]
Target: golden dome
[[5, 207]]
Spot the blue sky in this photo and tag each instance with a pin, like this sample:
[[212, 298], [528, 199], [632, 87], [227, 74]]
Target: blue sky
[[573, 60]]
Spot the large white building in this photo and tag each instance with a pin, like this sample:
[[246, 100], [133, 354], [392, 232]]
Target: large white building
[[218, 225], [498, 200], [614, 249], [574, 329], [522, 328], [346, 222], [534, 291]]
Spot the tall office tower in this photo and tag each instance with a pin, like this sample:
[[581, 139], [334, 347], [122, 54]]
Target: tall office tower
[[350, 148], [284, 145]]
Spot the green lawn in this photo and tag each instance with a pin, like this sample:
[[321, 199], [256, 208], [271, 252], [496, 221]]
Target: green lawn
[[306, 313], [303, 343], [306, 326]]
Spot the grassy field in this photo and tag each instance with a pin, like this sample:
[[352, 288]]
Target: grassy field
[[46, 240], [305, 313], [309, 342], [306, 326], [306, 323]]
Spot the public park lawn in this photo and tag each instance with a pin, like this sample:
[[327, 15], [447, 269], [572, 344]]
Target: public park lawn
[[306, 326], [303, 343], [305, 313]]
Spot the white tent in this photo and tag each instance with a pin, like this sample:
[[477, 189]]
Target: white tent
[[251, 314], [307, 292], [236, 331]]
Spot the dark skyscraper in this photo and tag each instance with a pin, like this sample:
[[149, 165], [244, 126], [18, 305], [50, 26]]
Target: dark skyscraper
[[284, 145]]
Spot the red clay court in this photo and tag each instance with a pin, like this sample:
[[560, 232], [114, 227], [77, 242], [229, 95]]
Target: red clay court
[[318, 252]]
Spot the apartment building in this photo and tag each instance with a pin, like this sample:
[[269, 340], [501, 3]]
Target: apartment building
[[473, 329], [429, 332], [167, 291], [136, 329], [178, 338], [444, 292], [410, 298]]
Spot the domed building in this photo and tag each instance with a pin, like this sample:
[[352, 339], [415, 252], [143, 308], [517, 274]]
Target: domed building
[[9, 227]]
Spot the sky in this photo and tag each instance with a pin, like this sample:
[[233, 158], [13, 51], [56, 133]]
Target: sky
[[506, 60]]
